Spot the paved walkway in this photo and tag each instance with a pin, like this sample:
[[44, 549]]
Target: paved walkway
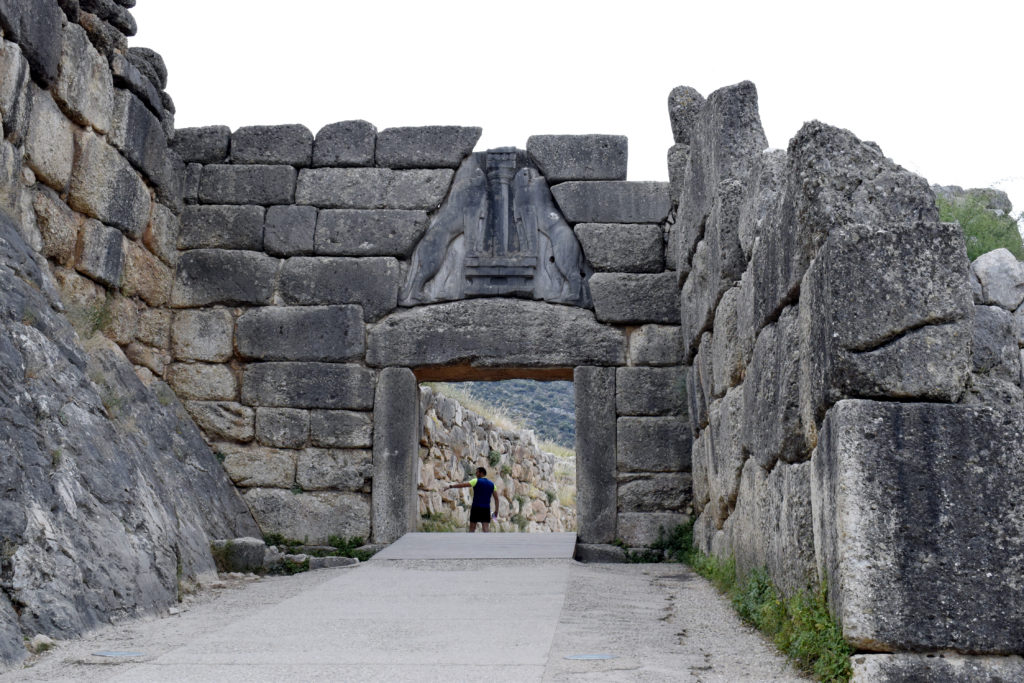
[[438, 620], [480, 546]]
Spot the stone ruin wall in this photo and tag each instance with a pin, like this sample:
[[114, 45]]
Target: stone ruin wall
[[456, 440], [856, 414]]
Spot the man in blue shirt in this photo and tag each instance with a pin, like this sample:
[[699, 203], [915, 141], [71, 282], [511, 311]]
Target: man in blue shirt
[[483, 491]]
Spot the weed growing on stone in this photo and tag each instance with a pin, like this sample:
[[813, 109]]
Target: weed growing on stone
[[506, 470], [520, 521], [55, 458], [438, 522], [350, 547], [220, 555], [290, 567]]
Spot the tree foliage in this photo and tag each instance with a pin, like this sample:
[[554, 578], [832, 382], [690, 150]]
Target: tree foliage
[[984, 229]]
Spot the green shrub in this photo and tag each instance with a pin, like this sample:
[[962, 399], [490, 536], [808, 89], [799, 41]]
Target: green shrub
[[984, 230], [350, 547], [493, 458], [438, 522]]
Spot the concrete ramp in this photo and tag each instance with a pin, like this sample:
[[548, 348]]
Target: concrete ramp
[[479, 546]]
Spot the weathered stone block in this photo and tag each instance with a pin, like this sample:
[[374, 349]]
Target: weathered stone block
[[652, 444], [206, 145], [50, 143], [313, 517], [140, 136], [320, 333], [223, 420], [105, 186], [153, 360], [218, 276], [623, 247], [627, 299], [128, 77], [202, 382], [475, 333], [599, 553], [425, 147], [884, 313], [287, 144], [917, 525], [654, 493], [15, 102], [247, 184], [190, 183], [346, 143], [282, 427], [649, 391], [221, 227], [340, 429], [289, 230], [346, 470], [239, 554], [58, 226], [724, 456], [351, 232], [655, 345], [155, 327], [370, 282], [145, 276], [638, 529], [994, 348], [731, 345], [253, 465], [84, 85], [123, 323], [1001, 277], [161, 236], [308, 385], [613, 201], [596, 443], [941, 668], [36, 26], [203, 335], [372, 188], [112, 11], [579, 157], [684, 105], [396, 438], [148, 61], [100, 254]]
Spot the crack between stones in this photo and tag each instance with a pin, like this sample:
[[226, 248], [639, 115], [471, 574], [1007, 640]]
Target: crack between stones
[[891, 339]]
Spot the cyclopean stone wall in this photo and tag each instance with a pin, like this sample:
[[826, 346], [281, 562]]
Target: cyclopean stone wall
[[856, 416]]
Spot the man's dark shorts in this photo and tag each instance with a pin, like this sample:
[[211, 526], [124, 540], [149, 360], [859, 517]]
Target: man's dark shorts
[[481, 515]]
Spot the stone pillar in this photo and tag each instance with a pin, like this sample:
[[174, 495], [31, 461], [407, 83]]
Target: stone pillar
[[596, 489], [396, 433]]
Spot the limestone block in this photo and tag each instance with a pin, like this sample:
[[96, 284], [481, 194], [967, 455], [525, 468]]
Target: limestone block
[[202, 382], [287, 144], [475, 333], [140, 136], [205, 145], [371, 282], [724, 455], [684, 106], [353, 232], [252, 465], [247, 184], [107, 39], [155, 327], [223, 420], [655, 345], [771, 395], [128, 77], [15, 102], [219, 276], [346, 143], [112, 11], [345, 470], [649, 391], [623, 247], [639, 529], [425, 146], [763, 203], [894, 668], [699, 470], [994, 343], [612, 201], [652, 444], [884, 313], [372, 188], [190, 183], [730, 345], [595, 443], [161, 236], [579, 157], [148, 61], [599, 553], [100, 254], [141, 355], [145, 276], [204, 335], [221, 227], [917, 525], [36, 26], [289, 230], [105, 186], [654, 492], [633, 299], [58, 226], [396, 418], [84, 85], [282, 427], [320, 333], [313, 517], [49, 145], [239, 554], [678, 157], [1001, 277], [341, 429], [308, 385], [123, 322]]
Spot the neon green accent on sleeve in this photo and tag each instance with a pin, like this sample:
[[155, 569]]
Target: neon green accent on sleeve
[[472, 482]]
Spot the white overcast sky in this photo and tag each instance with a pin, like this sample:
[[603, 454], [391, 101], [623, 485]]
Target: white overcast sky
[[937, 84]]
